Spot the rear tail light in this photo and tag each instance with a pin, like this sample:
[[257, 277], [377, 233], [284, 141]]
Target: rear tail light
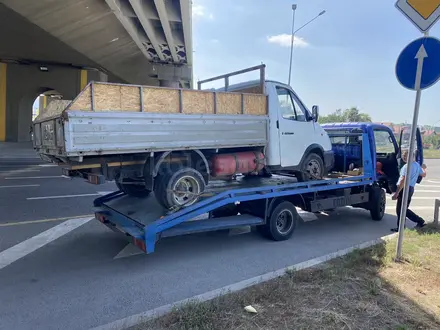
[[140, 243]]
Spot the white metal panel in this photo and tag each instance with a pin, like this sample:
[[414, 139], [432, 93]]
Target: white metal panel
[[91, 133]]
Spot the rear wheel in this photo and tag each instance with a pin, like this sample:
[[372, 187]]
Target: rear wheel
[[180, 188], [281, 223], [312, 168], [377, 203]]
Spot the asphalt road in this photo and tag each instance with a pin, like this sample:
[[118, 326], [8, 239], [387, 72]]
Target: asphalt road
[[68, 277]]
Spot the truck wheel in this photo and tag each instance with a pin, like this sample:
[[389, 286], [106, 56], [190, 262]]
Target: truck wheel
[[281, 223], [377, 203], [180, 188], [312, 168], [132, 189]]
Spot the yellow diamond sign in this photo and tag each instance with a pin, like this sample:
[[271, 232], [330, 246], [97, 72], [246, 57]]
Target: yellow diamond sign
[[423, 13], [424, 7]]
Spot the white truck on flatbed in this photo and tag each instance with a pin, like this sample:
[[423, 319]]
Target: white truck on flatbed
[[174, 141]]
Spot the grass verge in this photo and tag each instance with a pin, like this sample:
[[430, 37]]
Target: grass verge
[[365, 289], [431, 154]]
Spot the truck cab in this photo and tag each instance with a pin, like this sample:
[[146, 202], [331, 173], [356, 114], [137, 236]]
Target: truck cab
[[296, 141], [386, 151]]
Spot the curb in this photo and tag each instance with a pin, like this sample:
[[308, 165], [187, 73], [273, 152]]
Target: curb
[[165, 309]]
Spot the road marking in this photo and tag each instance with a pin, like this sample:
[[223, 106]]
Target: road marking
[[426, 191], [133, 320], [30, 222], [61, 196], [48, 165], [393, 207], [20, 170], [418, 197], [36, 177], [99, 193], [24, 248], [21, 186]]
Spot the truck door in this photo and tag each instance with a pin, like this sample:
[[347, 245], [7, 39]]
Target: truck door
[[387, 155], [294, 130], [404, 144]]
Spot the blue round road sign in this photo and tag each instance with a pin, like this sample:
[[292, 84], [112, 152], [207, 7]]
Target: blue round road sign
[[406, 65]]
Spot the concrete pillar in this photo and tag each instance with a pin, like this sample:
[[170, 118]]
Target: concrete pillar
[[3, 72], [169, 83]]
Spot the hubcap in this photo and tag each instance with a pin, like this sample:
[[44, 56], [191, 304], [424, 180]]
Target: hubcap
[[186, 190], [284, 221], [314, 169]]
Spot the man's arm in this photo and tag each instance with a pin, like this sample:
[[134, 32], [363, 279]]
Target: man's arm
[[423, 171], [399, 187]]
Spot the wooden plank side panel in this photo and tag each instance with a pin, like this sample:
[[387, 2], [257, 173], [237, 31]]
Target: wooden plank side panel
[[83, 101], [228, 103], [108, 97], [255, 104], [161, 100], [197, 102]]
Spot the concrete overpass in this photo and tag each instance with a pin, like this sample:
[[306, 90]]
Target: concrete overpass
[[58, 46]]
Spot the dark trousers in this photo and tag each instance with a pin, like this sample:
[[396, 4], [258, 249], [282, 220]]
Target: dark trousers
[[409, 214]]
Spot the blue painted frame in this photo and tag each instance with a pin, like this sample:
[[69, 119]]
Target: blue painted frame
[[150, 232]]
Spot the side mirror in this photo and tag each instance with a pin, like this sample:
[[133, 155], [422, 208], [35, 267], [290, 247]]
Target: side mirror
[[315, 112]]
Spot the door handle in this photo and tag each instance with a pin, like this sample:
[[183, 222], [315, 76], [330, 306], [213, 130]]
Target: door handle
[[288, 133]]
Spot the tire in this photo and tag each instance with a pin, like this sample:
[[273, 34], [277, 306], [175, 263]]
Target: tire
[[186, 179], [281, 223], [312, 168], [132, 189], [377, 203]]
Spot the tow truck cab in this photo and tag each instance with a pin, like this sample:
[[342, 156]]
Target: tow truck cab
[[386, 152]]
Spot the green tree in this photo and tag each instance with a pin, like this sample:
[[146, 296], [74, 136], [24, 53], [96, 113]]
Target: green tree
[[352, 114], [433, 139]]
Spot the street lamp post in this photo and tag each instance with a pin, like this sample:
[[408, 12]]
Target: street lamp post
[[293, 35], [292, 39]]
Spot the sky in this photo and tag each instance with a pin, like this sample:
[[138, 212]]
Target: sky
[[344, 58]]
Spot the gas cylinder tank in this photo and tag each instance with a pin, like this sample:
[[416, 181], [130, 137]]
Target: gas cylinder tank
[[239, 162]]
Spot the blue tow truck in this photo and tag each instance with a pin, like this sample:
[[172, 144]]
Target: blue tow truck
[[366, 167]]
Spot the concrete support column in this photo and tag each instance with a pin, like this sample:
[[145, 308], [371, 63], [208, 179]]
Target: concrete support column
[[3, 72], [169, 83]]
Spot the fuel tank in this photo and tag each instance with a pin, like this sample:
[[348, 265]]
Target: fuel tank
[[239, 162]]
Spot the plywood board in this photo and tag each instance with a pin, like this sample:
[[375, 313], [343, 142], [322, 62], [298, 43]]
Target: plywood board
[[250, 90], [197, 102], [130, 98], [54, 108], [255, 104], [228, 103], [83, 101], [116, 97], [107, 97], [161, 100]]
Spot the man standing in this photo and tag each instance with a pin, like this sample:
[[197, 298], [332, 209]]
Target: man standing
[[416, 171]]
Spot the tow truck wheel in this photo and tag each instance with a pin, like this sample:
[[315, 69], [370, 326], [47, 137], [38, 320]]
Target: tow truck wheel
[[377, 203], [281, 223], [312, 168], [179, 189], [132, 189]]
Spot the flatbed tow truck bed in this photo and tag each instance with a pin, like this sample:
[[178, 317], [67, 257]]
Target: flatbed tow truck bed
[[255, 201]]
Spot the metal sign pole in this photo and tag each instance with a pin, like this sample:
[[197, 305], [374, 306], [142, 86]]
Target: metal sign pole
[[420, 56]]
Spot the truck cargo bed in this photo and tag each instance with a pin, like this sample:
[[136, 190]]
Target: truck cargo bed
[[108, 118], [84, 133]]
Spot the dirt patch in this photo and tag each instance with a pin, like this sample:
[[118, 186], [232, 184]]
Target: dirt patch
[[363, 290]]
